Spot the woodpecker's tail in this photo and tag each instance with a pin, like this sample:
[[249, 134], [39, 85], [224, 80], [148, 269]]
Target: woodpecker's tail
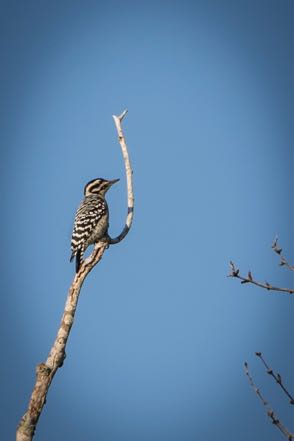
[[78, 260], [78, 255]]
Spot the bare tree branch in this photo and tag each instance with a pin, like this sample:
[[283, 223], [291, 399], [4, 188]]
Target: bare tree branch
[[46, 371], [270, 412], [278, 250], [129, 173], [235, 272], [276, 376]]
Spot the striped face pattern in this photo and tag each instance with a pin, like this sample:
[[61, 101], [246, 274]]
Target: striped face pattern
[[91, 220], [98, 186]]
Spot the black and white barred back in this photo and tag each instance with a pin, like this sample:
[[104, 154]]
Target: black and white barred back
[[91, 220]]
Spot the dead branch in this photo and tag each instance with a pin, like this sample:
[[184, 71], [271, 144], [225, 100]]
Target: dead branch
[[235, 272], [271, 414], [129, 172], [46, 370]]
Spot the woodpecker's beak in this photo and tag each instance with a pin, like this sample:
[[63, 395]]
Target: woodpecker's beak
[[113, 181]]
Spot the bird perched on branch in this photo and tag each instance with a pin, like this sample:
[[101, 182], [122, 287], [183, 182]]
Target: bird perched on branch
[[91, 220]]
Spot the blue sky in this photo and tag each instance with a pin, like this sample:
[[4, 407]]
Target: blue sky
[[161, 333]]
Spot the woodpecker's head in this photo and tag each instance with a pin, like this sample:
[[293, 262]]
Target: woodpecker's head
[[98, 186]]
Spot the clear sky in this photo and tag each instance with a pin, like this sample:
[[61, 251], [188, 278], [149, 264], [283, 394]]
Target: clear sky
[[161, 334]]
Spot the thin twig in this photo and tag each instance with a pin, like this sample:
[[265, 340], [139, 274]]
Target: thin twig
[[276, 376], [278, 250], [46, 370], [289, 435], [235, 272]]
